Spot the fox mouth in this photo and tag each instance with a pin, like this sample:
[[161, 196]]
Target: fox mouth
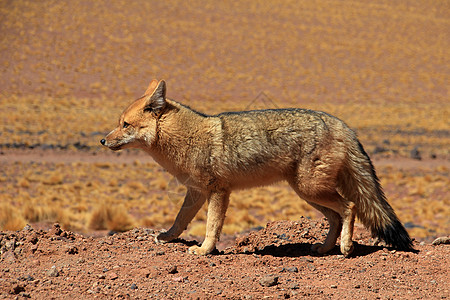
[[115, 148], [112, 147]]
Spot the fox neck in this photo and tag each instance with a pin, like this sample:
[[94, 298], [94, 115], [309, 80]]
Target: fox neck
[[180, 134]]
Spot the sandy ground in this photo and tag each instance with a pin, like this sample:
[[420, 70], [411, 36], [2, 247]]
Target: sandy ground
[[271, 263]]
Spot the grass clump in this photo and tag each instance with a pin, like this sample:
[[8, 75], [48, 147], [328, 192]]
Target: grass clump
[[109, 217], [11, 218]]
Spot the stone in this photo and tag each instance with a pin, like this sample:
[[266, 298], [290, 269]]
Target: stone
[[53, 272], [269, 281]]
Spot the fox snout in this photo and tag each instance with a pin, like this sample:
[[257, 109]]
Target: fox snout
[[116, 141]]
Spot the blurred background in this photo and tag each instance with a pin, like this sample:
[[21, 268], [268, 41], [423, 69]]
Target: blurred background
[[69, 68]]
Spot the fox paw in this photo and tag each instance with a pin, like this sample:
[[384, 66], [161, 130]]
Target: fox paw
[[198, 250], [346, 250], [164, 237], [319, 248]]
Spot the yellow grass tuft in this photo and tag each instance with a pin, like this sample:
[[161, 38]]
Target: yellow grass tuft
[[36, 213], [10, 218], [110, 217], [53, 179]]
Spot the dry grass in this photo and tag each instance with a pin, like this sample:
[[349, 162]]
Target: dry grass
[[67, 70], [107, 216], [117, 196]]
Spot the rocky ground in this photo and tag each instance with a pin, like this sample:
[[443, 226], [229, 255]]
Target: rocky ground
[[272, 262]]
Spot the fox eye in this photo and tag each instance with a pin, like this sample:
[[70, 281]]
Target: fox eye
[[125, 125]]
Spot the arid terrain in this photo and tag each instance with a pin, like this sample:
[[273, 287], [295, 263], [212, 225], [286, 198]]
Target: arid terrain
[[68, 69], [274, 262]]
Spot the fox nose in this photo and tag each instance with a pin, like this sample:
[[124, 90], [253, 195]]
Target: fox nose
[[103, 141]]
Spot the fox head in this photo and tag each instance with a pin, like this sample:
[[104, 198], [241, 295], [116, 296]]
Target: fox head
[[138, 123]]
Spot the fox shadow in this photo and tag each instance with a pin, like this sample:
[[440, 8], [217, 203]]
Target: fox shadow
[[293, 250], [304, 249]]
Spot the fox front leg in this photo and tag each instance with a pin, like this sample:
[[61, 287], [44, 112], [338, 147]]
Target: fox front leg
[[193, 201], [217, 207]]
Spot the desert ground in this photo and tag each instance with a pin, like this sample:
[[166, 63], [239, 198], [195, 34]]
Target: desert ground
[[78, 220]]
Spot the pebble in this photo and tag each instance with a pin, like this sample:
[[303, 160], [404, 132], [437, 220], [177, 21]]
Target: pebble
[[133, 286], [441, 240], [179, 279], [17, 289], [53, 272], [81, 261], [269, 281], [291, 269], [294, 286], [172, 270], [71, 250]]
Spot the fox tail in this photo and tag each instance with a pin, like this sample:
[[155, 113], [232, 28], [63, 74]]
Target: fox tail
[[360, 183]]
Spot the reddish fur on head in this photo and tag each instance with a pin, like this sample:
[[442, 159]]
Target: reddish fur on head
[[137, 124]]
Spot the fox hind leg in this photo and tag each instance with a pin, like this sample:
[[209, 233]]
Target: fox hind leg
[[334, 219], [348, 221], [345, 211], [340, 214]]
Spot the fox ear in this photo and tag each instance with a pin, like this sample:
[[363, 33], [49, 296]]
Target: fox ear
[[156, 101], [151, 87]]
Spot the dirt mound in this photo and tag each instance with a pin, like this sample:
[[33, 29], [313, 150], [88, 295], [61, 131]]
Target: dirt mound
[[273, 262]]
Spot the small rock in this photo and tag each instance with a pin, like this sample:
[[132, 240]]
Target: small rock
[[27, 228], [333, 286], [133, 286], [56, 229], [172, 270], [441, 240], [71, 250], [101, 276], [9, 257], [415, 153], [17, 289], [294, 286], [26, 278], [112, 276], [269, 281], [53, 272], [33, 239], [10, 244], [292, 269], [179, 279]]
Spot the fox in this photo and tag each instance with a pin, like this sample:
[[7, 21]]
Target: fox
[[317, 154]]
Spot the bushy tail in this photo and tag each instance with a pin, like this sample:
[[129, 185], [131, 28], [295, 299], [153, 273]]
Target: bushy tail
[[360, 184]]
